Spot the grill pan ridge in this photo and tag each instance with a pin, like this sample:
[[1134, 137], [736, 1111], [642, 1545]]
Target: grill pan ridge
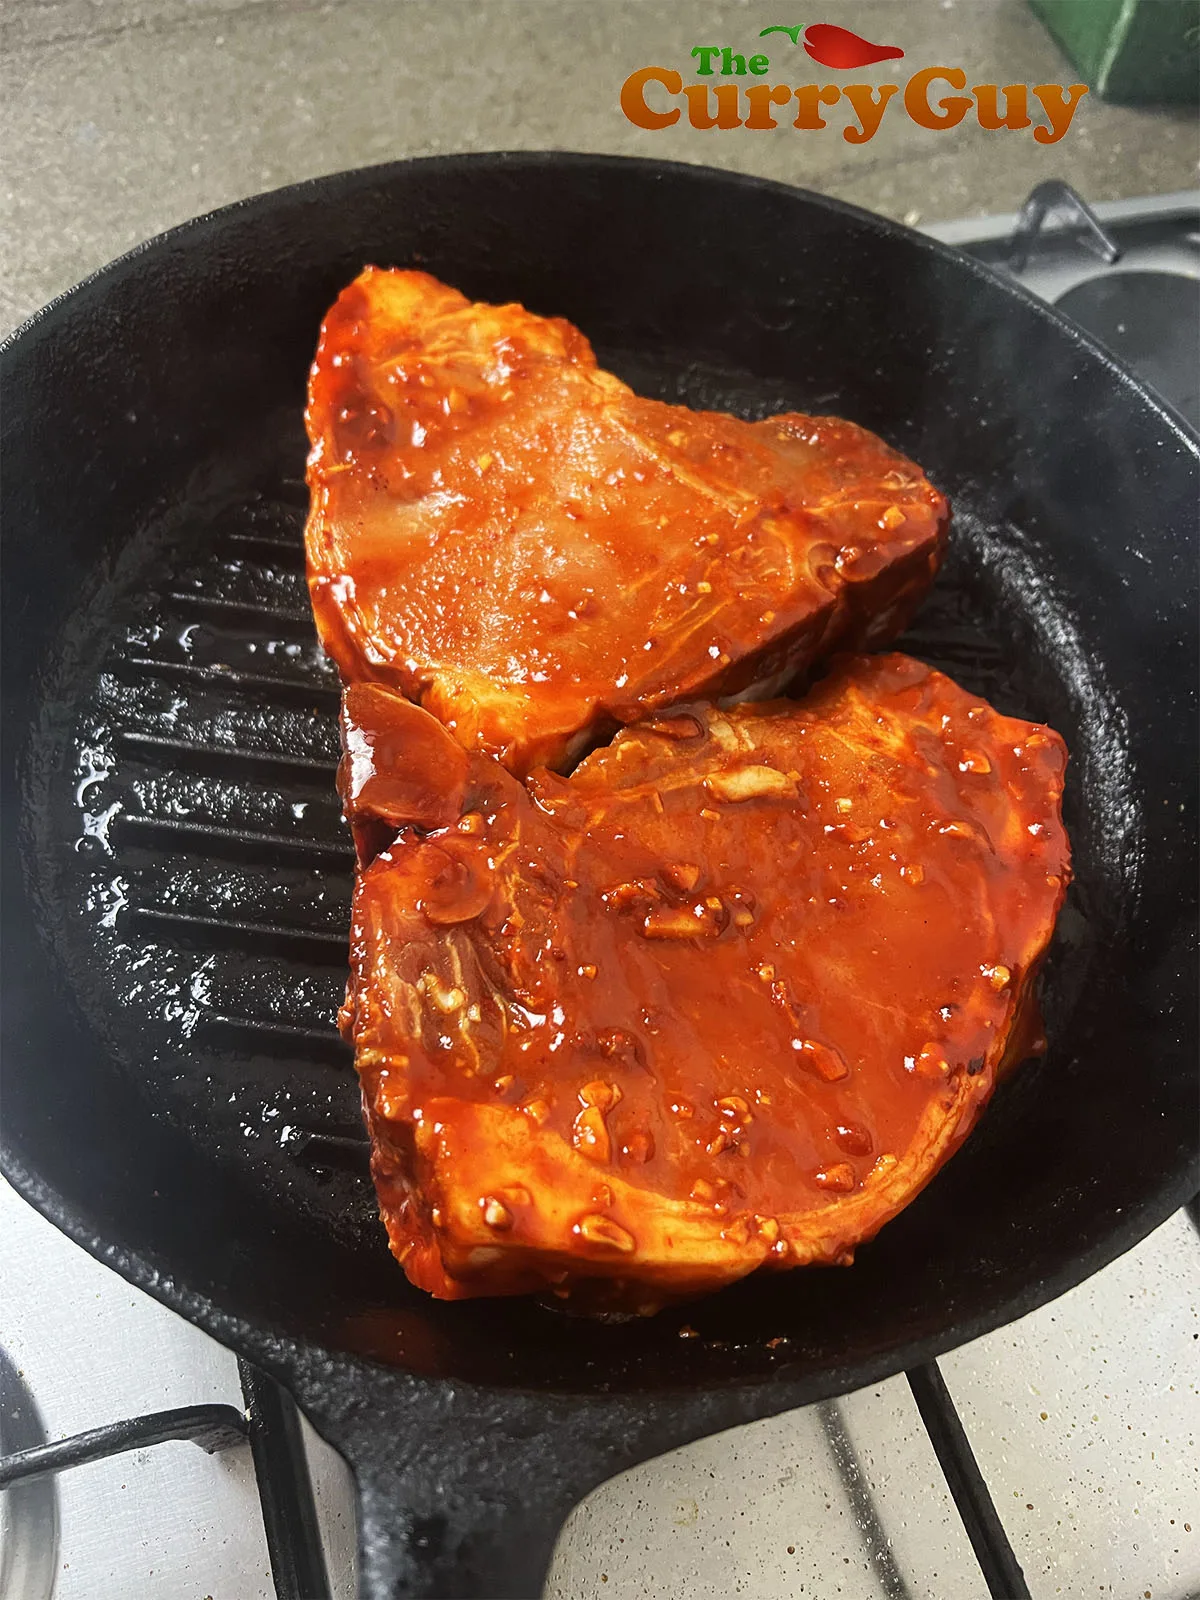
[[208, 867], [209, 870]]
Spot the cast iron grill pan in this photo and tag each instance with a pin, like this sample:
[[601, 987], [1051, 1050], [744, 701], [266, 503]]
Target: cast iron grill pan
[[177, 874]]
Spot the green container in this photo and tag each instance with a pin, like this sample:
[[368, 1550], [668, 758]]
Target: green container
[[1139, 52]]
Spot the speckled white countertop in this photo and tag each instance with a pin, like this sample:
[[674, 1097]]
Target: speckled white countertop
[[1084, 1418]]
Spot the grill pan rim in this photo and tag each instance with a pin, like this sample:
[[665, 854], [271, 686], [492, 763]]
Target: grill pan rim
[[1157, 1206], [183, 234], [289, 1355], [331, 1383]]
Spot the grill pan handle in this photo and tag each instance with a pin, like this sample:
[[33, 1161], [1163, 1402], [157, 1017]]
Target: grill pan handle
[[462, 1490], [466, 1506]]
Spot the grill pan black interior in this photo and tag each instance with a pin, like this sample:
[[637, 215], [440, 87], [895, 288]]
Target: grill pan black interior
[[200, 870], [176, 875]]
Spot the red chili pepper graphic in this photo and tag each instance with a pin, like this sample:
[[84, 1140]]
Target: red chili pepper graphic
[[838, 47]]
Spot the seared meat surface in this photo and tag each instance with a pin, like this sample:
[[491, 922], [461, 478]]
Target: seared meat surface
[[514, 539], [725, 998]]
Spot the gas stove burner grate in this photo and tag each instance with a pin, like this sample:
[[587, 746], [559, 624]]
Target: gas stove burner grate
[[270, 1425]]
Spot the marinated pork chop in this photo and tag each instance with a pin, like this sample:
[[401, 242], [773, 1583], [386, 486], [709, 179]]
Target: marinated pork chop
[[725, 998], [513, 538]]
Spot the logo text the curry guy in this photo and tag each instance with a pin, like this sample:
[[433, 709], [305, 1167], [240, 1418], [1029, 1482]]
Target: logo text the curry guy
[[753, 94]]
